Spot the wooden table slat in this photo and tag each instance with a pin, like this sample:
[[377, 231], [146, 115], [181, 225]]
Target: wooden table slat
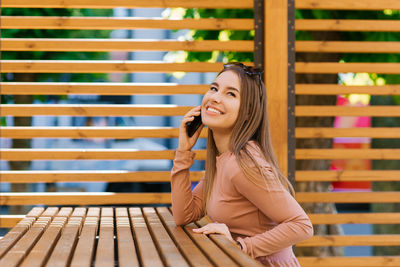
[[41, 251], [168, 250], [15, 234], [93, 212], [148, 254], [105, 246], [50, 212], [62, 253], [215, 254], [127, 255], [23, 246], [185, 244], [35, 212], [86, 245], [230, 248], [108, 236]]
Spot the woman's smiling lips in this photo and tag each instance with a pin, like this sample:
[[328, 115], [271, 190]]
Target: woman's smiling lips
[[213, 111]]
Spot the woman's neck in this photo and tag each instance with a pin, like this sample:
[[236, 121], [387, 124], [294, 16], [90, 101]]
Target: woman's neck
[[221, 141]]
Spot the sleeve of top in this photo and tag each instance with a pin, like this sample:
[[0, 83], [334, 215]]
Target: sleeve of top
[[275, 202], [187, 206]]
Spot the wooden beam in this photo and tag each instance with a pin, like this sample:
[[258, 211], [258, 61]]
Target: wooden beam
[[108, 45], [79, 198], [328, 67], [92, 110], [348, 197], [126, 3], [90, 176], [364, 261], [347, 47], [337, 153], [115, 23], [348, 175], [338, 89], [332, 111], [92, 132], [346, 5], [276, 76], [351, 25], [330, 132], [351, 240], [104, 66], [104, 88], [349, 218], [21, 154]]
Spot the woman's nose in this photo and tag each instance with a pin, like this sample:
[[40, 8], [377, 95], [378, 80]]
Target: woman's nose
[[216, 97]]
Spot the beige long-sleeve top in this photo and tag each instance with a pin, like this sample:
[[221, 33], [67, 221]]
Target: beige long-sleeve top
[[266, 221]]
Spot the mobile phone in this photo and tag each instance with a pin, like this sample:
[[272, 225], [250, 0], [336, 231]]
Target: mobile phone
[[192, 126]]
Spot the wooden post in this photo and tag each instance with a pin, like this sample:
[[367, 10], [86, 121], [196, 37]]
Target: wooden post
[[277, 64]]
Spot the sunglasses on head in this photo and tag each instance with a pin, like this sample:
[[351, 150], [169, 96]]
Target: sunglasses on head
[[249, 70]]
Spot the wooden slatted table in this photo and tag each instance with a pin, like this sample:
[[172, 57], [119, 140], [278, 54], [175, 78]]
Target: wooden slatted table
[[106, 236]]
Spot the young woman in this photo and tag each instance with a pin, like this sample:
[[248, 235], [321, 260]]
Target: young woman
[[243, 190]]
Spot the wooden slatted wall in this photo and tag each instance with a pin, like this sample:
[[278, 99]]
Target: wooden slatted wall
[[309, 89], [107, 89]]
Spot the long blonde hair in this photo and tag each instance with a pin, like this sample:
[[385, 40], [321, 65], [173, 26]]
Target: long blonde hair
[[252, 124]]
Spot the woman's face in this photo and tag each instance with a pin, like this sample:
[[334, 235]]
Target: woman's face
[[220, 105]]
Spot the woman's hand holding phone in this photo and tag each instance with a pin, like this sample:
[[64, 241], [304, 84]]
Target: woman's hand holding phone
[[186, 142]]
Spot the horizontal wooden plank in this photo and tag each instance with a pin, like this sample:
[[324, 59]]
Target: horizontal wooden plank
[[365, 261], [90, 154], [348, 5], [351, 240], [9, 221], [347, 47], [377, 154], [349, 218], [332, 111], [351, 25], [115, 23], [337, 89], [104, 66], [92, 110], [333, 67], [348, 175], [90, 176], [107, 45], [92, 132], [61, 88], [378, 132], [126, 3], [89, 198], [348, 197]]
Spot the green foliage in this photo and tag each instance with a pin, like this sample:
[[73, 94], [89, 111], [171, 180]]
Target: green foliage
[[218, 35]]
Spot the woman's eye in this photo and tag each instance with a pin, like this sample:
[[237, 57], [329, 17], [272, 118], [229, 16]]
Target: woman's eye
[[212, 88], [231, 94]]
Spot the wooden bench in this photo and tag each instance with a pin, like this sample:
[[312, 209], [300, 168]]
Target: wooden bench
[[105, 236]]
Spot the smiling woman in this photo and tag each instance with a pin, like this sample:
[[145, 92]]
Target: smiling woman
[[243, 190]]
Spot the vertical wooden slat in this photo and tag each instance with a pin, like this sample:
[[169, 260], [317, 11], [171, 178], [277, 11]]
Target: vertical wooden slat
[[126, 247], [105, 246], [84, 251], [147, 250], [276, 76]]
